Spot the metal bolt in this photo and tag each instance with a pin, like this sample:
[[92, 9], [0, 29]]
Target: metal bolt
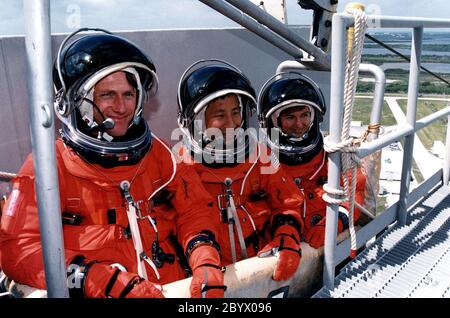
[[324, 42]]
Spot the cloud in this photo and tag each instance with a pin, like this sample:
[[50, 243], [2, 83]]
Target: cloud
[[11, 17], [134, 14], [166, 14]]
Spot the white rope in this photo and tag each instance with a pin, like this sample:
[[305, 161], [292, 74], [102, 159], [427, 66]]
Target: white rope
[[338, 195], [351, 79], [346, 146], [349, 159]]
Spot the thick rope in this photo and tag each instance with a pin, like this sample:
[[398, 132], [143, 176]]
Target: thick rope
[[349, 159], [338, 195], [351, 79]]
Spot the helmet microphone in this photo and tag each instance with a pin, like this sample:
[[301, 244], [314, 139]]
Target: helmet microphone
[[108, 123]]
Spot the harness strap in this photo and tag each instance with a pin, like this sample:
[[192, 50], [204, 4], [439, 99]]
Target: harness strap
[[111, 282], [231, 234], [282, 247], [136, 235], [240, 234], [130, 286], [254, 237], [222, 268]]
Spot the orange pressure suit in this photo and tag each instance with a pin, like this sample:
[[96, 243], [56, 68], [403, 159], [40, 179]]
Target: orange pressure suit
[[260, 192], [310, 178], [95, 218]]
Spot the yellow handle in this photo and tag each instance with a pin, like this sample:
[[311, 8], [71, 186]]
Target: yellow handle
[[351, 30]]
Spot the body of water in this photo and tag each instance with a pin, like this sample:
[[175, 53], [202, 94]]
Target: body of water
[[434, 67], [393, 39], [403, 38], [407, 52]]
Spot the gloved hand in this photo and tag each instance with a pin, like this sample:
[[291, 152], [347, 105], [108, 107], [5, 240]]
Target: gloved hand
[[101, 282], [286, 242], [316, 234], [207, 273]]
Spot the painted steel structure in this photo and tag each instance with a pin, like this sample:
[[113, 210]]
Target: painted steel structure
[[39, 79], [333, 254], [38, 45]]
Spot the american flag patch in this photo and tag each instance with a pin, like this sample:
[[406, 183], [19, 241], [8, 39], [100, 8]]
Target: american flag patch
[[13, 200]]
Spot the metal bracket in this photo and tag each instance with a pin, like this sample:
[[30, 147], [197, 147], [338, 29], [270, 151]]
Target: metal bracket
[[47, 116], [321, 26]]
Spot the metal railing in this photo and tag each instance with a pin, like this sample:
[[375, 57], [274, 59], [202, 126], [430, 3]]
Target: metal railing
[[39, 80], [261, 23], [38, 53], [334, 254]]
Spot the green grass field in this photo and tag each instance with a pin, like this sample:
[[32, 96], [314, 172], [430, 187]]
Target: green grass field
[[435, 131], [363, 108]]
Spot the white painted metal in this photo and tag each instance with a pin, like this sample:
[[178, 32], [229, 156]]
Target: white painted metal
[[407, 261]]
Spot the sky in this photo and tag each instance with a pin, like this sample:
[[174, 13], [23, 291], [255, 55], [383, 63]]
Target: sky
[[115, 15]]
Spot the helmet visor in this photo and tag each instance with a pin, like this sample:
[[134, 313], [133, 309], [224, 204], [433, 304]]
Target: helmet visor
[[300, 131]]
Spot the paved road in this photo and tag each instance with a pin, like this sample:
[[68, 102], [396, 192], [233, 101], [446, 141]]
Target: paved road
[[427, 163], [405, 97]]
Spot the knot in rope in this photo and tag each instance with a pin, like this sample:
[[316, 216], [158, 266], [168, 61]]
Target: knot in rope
[[346, 146], [333, 195]]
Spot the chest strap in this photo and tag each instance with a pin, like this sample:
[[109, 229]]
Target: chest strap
[[135, 233], [233, 219]]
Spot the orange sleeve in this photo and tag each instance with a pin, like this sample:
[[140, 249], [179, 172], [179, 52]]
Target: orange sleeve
[[193, 204], [20, 242]]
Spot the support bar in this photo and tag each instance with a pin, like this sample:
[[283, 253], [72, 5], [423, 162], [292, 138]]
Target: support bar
[[446, 168], [399, 22], [39, 81], [423, 122], [252, 25], [378, 96], [282, 30], [370, 147], [286, 65], [411, 112], [334, 162]]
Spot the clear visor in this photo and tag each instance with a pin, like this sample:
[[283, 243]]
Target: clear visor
[[274, 114], [200, 115], [215, 137], [86, 93]]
